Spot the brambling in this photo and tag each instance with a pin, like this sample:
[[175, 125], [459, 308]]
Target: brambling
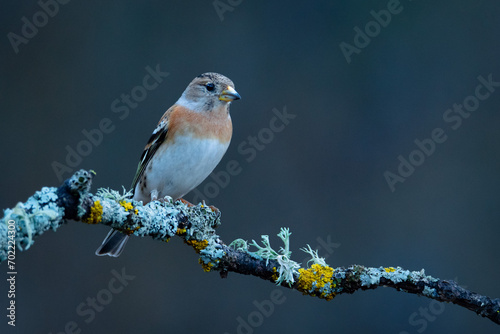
[[187, 144]]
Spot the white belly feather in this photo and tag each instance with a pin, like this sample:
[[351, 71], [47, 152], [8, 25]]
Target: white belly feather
[[177, 169]]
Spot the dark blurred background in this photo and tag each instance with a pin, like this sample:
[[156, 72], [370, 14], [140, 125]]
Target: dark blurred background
[[322, 175]]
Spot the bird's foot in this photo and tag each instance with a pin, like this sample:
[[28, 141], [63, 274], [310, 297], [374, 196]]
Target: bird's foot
[[189, 204], [214, 209]]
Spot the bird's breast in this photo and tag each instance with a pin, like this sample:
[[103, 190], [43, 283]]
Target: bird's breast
[[181, 166], [215, 124]]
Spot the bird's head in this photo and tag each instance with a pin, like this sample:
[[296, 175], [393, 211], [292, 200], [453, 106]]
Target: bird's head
[[209, 91]]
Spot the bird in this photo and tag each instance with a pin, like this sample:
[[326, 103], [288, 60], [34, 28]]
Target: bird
[[189, 141]]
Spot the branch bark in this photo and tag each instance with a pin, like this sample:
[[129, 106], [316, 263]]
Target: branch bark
[[49, 208]]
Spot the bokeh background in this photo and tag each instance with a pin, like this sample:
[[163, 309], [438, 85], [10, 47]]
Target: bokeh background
[[322, 175]]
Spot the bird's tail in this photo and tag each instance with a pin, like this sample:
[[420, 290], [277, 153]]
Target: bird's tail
[[113, 245]]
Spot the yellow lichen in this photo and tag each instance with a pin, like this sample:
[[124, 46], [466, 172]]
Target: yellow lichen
[[206, 266], [389, 269], [126, 205], [180, 231], [198, 245], [313, 279], [95, 215], [275, 274], [136, 211], [130, 231]]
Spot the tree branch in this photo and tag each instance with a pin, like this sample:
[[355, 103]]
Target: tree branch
[[49, 208]]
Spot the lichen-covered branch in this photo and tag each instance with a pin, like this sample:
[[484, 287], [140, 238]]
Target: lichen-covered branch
[[49, 208]]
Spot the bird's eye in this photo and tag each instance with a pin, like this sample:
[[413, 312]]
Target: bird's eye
[[210, 86]]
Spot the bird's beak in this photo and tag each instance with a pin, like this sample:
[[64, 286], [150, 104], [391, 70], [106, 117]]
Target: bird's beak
[[229, 94]]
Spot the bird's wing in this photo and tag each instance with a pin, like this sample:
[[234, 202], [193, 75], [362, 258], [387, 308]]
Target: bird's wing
[[157, 138]]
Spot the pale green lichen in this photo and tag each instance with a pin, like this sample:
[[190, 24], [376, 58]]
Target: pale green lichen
[[114, 195], [265, 252], [288, 268], [239, 245], [315, 259]]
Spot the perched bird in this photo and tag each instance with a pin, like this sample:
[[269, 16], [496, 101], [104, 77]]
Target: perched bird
[[187, 144]]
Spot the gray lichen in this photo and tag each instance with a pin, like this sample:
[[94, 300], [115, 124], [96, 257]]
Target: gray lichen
[[32, 218]]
